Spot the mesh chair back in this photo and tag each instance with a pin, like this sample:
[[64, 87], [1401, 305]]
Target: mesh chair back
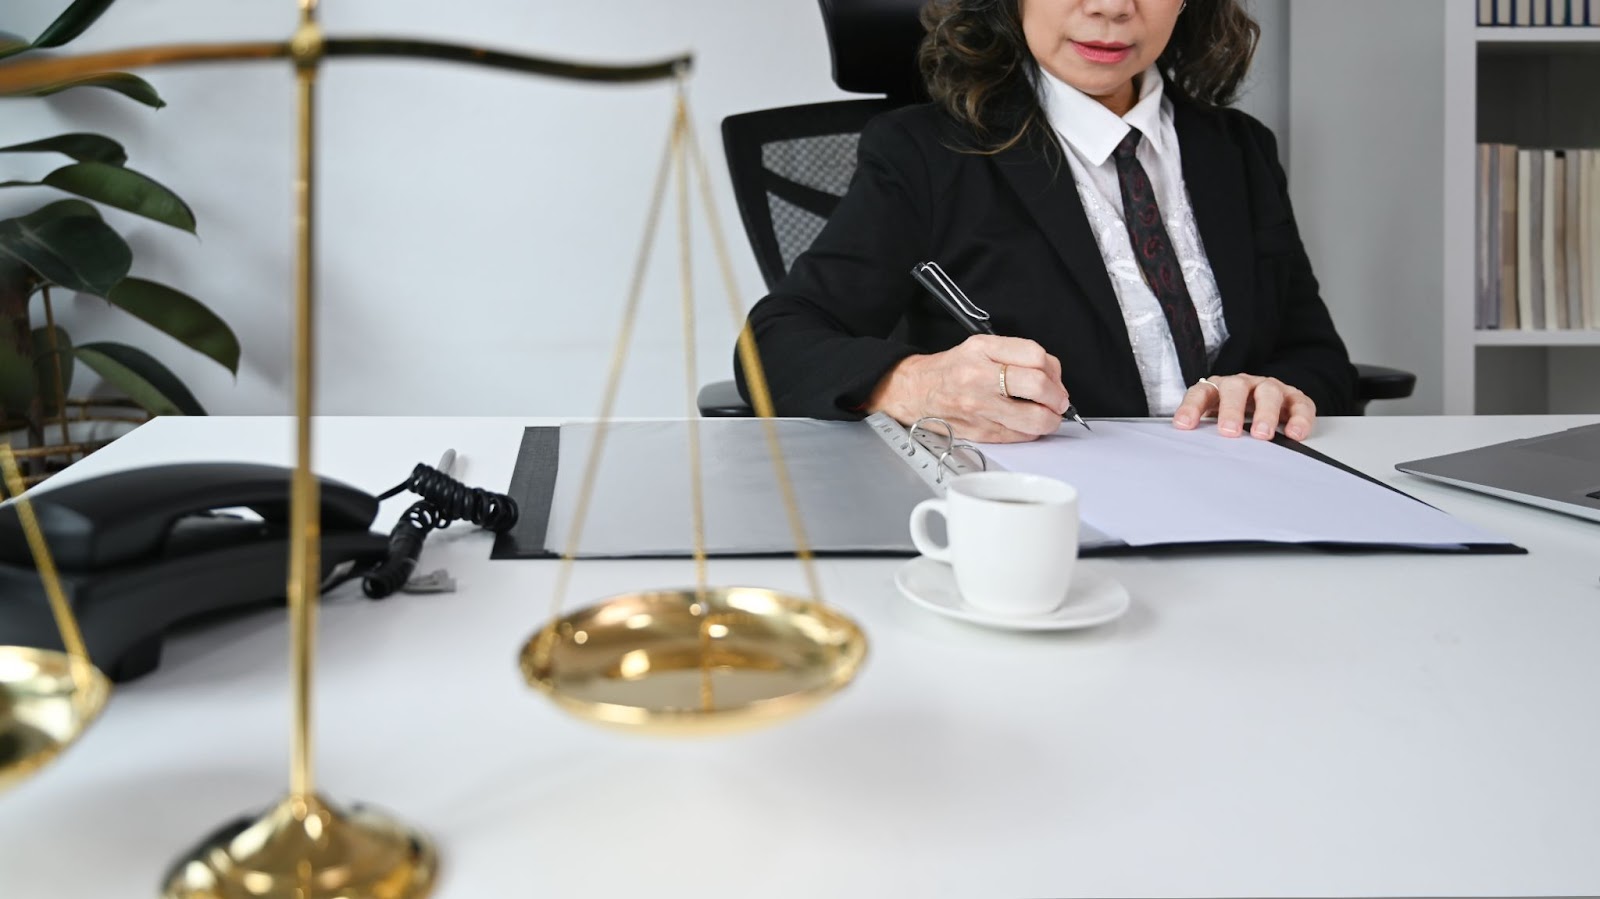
[[789, 168]]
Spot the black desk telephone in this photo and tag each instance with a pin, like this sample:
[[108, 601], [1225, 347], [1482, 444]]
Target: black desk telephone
[[142, 550]]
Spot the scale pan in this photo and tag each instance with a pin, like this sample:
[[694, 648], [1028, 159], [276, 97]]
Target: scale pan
[[42, 711], [684, 662]]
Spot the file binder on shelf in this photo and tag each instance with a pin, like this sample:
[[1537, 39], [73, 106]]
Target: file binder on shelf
[[856, 484]]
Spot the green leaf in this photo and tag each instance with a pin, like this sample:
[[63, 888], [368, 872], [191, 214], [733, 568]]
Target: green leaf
[[131, 86], [66, 243], [121, 188], [74, 21], [82, 147], [147, 382], [44, 367], [181, 316], [12, 44]]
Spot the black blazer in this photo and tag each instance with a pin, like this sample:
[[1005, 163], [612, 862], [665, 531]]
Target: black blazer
[[1011, 230]]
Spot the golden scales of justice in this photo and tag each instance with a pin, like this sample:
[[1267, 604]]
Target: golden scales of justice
[[687, 661]]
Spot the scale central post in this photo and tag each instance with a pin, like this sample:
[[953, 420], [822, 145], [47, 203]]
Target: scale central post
[[305, 847]]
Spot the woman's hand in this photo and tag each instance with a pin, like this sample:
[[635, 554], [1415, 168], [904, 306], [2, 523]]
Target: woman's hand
[[962, 386], [1269, 401]]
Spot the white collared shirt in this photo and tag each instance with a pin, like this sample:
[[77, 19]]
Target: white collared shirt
[[1090, 132]]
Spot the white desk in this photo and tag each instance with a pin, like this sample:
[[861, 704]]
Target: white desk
[[1260, 724]]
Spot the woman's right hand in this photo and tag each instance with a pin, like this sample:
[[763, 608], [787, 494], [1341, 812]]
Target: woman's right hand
[[962, 386]]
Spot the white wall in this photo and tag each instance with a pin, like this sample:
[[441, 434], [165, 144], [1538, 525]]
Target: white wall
[[1366, 121], [477, 228], [1266, 91]]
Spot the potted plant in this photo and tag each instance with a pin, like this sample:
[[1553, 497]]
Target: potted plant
[[65, 245]]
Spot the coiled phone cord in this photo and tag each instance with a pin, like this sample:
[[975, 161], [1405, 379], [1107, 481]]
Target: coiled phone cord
[[444, 500]]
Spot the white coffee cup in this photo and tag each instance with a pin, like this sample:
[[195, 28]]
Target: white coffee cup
[[1013, 540]]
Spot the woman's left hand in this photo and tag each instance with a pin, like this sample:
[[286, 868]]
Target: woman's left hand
[[1269, 401]]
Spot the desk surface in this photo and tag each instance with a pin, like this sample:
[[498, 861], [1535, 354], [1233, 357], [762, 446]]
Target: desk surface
[[1286, 724]]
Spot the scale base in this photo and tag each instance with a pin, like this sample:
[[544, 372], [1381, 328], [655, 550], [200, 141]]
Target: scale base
[[303, 848]]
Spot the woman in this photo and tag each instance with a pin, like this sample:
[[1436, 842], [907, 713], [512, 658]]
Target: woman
[[1079, 176]]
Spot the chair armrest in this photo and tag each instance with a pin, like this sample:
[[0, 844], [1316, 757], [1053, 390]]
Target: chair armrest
[[1376, 382], [721, 399]]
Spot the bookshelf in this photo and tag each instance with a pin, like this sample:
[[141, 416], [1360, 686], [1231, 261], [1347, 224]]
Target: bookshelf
[[1538, 339], [1531, 87], [1572, 34]]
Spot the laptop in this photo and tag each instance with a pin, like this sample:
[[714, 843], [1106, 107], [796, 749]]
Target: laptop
[[1559, 471]]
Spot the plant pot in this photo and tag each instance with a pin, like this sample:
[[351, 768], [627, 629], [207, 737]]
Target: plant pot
[[87, 424]]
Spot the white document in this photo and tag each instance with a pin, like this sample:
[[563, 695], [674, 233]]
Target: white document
[[1148, 483]]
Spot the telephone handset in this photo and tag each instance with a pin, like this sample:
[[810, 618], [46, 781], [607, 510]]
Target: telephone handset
[[127, 516], [143, 550]]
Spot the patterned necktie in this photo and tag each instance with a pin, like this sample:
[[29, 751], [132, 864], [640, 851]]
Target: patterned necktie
[[1158, 260]]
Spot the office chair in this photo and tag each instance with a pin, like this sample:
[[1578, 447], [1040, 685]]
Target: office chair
[[790, 166]]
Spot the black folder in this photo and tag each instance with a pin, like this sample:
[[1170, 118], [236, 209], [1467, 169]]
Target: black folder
[[854, 500]]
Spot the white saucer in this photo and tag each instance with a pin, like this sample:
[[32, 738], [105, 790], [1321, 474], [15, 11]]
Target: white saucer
[[1095, 598]]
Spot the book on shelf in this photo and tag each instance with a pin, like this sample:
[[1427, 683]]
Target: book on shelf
[[1589, 235], [1537, 232], [1539, 13], [1530, 242], [1572, 248], [1554, 239], [1506, 238], [1487, 255]]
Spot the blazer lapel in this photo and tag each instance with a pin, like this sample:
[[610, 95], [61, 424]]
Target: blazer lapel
[[1219, 194], [1051, 197]]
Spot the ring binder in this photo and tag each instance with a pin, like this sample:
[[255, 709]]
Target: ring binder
[[948, 458], [931, 455]]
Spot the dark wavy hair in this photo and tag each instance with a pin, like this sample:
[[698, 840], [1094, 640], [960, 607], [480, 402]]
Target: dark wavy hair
[[976, 64]]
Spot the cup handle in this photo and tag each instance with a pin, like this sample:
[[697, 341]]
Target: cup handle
[[919, 529]]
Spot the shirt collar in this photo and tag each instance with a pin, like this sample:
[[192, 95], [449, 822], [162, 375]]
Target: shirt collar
[[1093, 130]]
